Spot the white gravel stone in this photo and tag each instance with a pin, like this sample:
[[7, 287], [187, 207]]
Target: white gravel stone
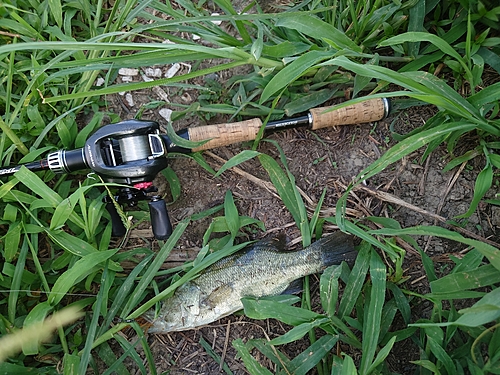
[[172, 71], [165, 113], [153, 72], [99, 81], [128, 72], [129, 99], [218, 22]]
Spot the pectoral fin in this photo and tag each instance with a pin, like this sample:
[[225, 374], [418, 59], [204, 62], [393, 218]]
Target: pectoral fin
[[218, 295]]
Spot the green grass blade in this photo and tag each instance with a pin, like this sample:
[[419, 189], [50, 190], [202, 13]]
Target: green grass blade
[[250, 362], [231, 214], [382, 355], [17, 280], [6, 187], [146, 348], [487, 95], [484, 311], [416, 23], [373, 314], [13, 137], [36, 316], [11, 241], [441, 355], [401, 302], [283, 185], [348, 366], [310, 357], [417, 84], [10, 368], [241, 157], [37, 186], [263, 309], [457, 282], [76, 246], [301, 215], [491, 253], [123, 293], [491, 58], [82, 268], [138, 294], [108, 356], [64, 210], [173, 183], [426, 364], [276, 356], [70, 364], [116, 365], [314, 27], [329, 289], [440, 43], [56, 9], [291, 72], [411, 144], [258, 44], [94, 323], [296, 333], [355, 281], [49, 196], [481, 186], [313, 224]]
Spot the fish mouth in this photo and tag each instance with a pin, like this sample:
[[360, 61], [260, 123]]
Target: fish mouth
[[156, 324]]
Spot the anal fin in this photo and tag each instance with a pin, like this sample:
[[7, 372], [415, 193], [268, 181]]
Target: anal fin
[[295, 287]]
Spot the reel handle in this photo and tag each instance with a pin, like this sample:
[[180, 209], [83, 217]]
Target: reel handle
[[160, 221]]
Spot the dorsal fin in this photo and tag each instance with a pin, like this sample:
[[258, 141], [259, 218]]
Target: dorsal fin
[[274, 242]]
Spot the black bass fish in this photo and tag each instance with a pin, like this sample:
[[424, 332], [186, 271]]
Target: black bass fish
[[260, 269]]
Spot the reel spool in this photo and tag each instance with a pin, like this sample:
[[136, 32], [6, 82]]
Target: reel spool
[[141, 147], [134, 148]]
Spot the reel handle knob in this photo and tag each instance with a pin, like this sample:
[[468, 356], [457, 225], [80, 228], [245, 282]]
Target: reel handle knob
[[160, 221], [117, 227]]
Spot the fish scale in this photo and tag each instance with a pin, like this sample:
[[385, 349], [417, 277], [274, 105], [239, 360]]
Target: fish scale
[[260, 269]]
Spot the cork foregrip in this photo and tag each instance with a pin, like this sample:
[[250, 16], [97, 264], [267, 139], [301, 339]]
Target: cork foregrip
[[367, 111], [225, 134]]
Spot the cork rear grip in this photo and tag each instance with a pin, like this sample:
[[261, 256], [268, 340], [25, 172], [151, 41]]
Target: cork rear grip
[[359, 113], [225, 134]]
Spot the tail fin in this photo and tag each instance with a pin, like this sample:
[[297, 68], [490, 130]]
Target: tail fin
[[336, 248]]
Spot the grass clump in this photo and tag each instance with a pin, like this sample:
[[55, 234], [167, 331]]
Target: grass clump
[[52, 52]]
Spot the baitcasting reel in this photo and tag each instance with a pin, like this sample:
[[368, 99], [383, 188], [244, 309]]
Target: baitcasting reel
[[130, 152]]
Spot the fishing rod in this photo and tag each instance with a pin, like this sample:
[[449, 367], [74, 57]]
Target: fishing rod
[[133, 152]]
